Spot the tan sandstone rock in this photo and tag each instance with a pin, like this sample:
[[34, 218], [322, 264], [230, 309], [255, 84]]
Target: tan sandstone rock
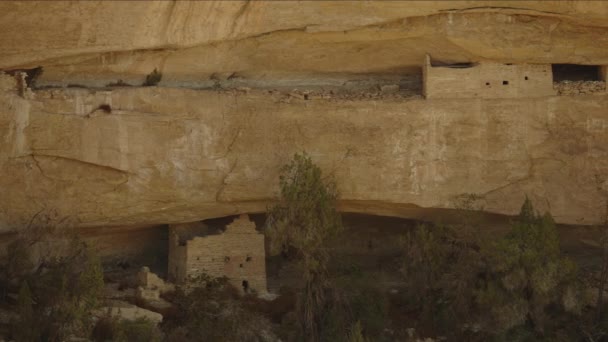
[[177, 155], [198, 43], [155, 155]]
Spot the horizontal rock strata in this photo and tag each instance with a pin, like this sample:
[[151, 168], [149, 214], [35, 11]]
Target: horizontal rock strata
[[160, 155]]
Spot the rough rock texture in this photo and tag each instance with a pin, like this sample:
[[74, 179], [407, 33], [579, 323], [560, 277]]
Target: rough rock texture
[[176, 155], [134, 156], [95, 42], [579, 87]]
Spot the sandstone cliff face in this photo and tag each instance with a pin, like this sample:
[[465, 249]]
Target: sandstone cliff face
[[169, 154], [175, 155], [96, 42]]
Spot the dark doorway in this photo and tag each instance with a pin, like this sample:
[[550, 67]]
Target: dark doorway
[[576, 72], [245, 286]]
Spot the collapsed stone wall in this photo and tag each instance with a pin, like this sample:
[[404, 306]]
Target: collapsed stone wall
[[579, 87], [238, 253]]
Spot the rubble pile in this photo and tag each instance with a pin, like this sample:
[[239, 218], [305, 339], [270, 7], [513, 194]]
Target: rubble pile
[[579, 87]]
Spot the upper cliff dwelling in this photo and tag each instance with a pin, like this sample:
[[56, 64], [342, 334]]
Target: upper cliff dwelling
[[508, 80]]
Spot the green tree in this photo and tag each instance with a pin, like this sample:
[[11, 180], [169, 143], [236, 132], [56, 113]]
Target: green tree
[[305, 219], [526, 273], [64, 291]]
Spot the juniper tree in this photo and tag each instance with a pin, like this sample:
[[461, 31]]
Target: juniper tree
[[305, 219]]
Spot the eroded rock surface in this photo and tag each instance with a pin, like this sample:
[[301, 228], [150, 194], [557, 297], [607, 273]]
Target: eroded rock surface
[[176, 155], [341, 80], [94, 43]]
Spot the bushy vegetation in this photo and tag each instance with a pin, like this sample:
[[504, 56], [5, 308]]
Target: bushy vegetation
[[111, 328], [153, 78], [458, 283], [526, 274], [518, 284], [306, 220], [59, 281], [211, 310]]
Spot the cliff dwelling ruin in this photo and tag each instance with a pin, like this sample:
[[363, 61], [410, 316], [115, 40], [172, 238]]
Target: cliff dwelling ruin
[[161, 132], [237, 253], [508, 80]]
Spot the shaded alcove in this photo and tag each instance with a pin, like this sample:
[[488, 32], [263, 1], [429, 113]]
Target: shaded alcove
[[576, 72]]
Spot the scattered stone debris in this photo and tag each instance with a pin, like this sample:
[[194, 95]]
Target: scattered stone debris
[[287, 96], [150, 287], [151, 281], [579, 87]]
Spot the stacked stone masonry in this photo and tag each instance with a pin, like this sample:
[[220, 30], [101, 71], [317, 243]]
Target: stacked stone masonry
[[579, 87], [487, 80], [237, 254]]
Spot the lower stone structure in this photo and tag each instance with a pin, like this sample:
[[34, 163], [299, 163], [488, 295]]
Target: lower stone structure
[[237, 253]]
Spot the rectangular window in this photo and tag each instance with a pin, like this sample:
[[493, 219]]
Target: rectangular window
[[576, 72]]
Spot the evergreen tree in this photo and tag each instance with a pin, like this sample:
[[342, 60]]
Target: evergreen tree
[[305, 219]]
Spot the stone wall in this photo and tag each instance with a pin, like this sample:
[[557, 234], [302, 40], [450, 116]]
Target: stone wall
[[238, 254], [487, 80], [579, 87]]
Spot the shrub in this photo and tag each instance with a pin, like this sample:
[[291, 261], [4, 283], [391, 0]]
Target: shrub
[[211, 311], [64, 296], [60, 287], [504, 286], [356, 333], [120, 330], [526, 274], [434, 283], [153, 78]]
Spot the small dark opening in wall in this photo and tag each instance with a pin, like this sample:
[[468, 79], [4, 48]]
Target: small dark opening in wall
[[526, 78], [487, 83], [248, 259], [305, 96], [576, 72], [505, 82], [105, 107], [241, 265], [447, 64], [245, 284]]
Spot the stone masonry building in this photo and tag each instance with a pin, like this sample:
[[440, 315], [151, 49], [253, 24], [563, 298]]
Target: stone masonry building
[[238, 253], [487, 80]]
